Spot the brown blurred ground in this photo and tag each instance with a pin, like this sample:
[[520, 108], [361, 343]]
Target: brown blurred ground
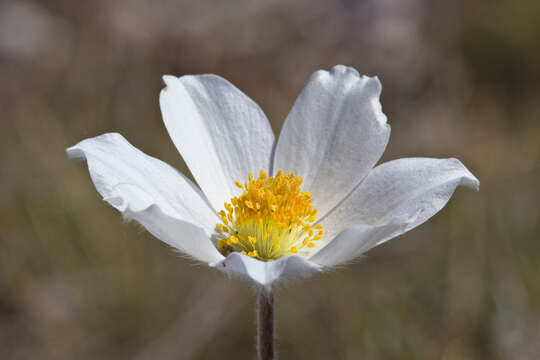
[[460, 79]]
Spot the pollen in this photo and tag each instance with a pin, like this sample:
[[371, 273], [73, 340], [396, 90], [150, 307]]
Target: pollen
[[271, 218]]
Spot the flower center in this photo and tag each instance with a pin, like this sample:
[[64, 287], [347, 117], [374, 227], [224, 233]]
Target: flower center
[[270, 219]]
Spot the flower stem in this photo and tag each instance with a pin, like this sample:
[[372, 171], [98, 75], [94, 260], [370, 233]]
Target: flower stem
[[265, 319]]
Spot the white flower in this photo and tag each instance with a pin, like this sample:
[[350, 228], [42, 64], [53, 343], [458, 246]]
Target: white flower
[[266, 226]]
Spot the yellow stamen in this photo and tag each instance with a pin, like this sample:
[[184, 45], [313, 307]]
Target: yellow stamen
[[272, 218]]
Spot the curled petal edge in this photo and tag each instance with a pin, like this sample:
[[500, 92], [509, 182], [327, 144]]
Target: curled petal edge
[[266, 273]]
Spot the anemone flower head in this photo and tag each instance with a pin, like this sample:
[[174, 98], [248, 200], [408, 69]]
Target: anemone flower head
[[269, 210]]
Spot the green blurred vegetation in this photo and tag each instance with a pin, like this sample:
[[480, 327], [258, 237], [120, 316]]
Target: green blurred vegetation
[[460, 79]]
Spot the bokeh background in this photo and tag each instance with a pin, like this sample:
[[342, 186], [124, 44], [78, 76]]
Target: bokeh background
[[460, 78]]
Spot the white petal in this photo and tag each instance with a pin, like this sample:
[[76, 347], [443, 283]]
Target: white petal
[[266, 273], [184, 236], [334, 134], [356, 240], [220, 132], [124, 175], [132, 181], [411, 189]]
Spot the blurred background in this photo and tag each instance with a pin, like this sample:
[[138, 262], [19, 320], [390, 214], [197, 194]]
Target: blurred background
[[460, 78]]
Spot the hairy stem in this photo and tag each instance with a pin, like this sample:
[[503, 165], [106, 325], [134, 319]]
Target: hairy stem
[[265, 319]]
